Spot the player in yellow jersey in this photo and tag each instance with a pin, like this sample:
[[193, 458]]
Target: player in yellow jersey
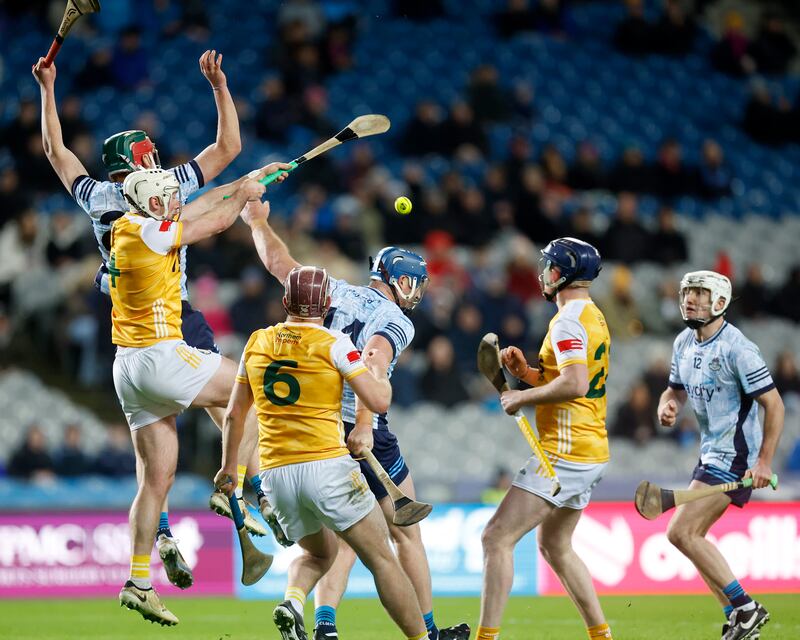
[[156, 374], [295, 373], [569, 394]]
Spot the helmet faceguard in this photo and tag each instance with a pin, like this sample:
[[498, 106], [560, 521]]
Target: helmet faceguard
[[140, 186], [577, 261], [719, 288], [391, 265], [125, 151], [306, 293]]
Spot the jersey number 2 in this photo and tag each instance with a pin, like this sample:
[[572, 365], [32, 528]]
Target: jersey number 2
[[272, 377], [596, 389]]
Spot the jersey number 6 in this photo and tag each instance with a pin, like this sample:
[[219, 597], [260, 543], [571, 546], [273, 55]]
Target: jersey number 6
[[272, 377]]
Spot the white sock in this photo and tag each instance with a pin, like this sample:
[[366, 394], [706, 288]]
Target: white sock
[[297, 599], [238, 492], [141, 584], [747, 607]]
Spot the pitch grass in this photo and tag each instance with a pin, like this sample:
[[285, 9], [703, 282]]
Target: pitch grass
[[527, 618]]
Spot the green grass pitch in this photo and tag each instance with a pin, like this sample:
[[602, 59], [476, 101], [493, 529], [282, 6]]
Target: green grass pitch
[[527, 618]]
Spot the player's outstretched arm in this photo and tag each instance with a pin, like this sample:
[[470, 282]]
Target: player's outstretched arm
[[64, 162], [218, 155], [271, 249], [373, 387], [232, 431], [670, 405], [223, 214], [774, 412]]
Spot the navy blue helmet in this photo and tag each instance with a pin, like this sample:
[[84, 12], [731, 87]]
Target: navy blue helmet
[[391, 264], [576, 261]]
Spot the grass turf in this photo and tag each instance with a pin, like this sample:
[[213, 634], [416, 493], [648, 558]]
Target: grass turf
[[527, 618]]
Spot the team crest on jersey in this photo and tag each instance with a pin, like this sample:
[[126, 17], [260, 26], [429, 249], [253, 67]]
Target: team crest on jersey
[[715, 364]]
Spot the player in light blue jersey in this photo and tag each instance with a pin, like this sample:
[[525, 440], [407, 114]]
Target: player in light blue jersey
[[104, 202], [722, 375], [376, 319]]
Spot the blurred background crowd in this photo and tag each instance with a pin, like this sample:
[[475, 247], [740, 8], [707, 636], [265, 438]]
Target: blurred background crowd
[[663, 132]]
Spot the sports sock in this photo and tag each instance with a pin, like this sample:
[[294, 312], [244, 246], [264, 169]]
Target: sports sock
[[255, 482], [297, 597], [140, 571], [325, 615], [727, 611], [736, 595], [599, 632], [241, 471], [163, 526], [430, 625], [488, 633]]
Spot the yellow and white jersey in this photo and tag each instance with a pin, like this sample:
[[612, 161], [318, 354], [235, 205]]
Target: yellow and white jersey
[[296, 372], [145, 281], [576, 430]]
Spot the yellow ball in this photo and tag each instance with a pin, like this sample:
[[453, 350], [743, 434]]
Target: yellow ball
[[402, 205]]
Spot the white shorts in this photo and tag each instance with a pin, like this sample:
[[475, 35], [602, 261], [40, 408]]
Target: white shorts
[[309, 495], [160, 380], [577, 481]]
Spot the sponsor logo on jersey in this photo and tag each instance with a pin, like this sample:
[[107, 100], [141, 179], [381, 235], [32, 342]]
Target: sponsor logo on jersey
[[699, 391]]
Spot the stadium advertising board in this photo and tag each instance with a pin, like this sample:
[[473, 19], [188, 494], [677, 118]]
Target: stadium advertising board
[[627, 554], [83, 554], [452, 537]]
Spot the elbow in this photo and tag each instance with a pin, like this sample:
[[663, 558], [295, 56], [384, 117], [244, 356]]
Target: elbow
[[382, 405], [581, 387]]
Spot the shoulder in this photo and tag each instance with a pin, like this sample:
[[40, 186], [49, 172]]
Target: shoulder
[[683, 339], [736, 342]]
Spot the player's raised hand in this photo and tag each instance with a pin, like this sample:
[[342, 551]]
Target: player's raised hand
[[45, 76], [512, 401], [272, 167], [225, 480], [667, 413], [252, 189], [514, 361], [761, 473], [211, 66], [255, 211]]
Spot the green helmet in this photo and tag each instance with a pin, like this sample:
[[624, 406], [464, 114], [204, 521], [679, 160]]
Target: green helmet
[[123, 151]]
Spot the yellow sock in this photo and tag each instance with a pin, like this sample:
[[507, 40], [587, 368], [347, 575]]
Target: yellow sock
[[297, 597], [599, 632], [488, 633], [140, 571], [241, 470], [421, 636]]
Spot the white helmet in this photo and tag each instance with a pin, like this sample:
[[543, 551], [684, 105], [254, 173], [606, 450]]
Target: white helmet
[[140, 186], [718, 285]]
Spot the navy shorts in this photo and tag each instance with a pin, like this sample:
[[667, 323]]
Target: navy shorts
[[387, 451], [195, 329], [709, 474]]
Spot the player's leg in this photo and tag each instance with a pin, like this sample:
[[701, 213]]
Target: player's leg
[[687, 530], [555, 543], [330, 591], [518, 513], [156, 446], [369, 539]]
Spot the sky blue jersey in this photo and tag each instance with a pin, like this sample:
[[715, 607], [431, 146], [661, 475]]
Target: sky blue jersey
[[105, 202], [362, 312], [722, 377]]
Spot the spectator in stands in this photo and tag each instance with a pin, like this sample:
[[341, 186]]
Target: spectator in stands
[[423, 132], [116, 458], [660, 314], [22, 247], [634, 35], [675, 32], [766, 120], [620, 308], [15, 135], [657, 371], [495, 492], [130, 62], [97, 72], [489, 101], [66, 239], [441, 383], [554, 168], [405, 380], [587, 172], [667, 244], [553, 18], [772, 49], [248, 312], [72, 124], [467, 330], [70, 459], [730, 54], [787, 299], [517, 18], [308, 13], [315, 109], [523, 109], [785, 375], [635, 420], [420, 10], [462, 129], [13, 198], [671, 177], [631, 172], [302, 70], [714, 175], [522, 277], [754, 299], [581, 226], [31, 461], [337, 47], [626, 239], [276, 112]]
